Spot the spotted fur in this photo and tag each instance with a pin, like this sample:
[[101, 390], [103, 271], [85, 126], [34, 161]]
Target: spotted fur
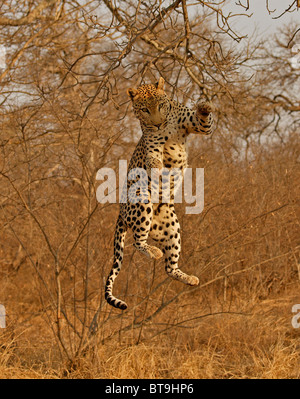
[[165, 125]]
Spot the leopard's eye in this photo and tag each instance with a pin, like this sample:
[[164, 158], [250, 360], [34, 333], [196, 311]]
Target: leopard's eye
[[146, 110]]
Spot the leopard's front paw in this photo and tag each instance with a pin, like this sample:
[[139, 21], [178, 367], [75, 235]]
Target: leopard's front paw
[[205, 108]]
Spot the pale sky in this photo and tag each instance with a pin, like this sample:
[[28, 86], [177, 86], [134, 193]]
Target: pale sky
[[261, 20]]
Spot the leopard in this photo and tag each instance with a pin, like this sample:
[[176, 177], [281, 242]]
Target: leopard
[[165, 125]]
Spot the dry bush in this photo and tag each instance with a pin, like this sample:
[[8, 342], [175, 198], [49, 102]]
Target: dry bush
[[64, 115], [236, 324]]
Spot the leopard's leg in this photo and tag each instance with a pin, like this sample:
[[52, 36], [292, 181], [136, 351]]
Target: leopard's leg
[[201, 119], [140, 224], [166, 230], [119, 241]]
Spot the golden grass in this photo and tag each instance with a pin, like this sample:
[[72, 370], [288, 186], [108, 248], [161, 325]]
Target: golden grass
[[236, 324], [261, 344]]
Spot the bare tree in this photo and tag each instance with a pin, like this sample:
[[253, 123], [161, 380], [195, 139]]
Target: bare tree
[[65, 114]]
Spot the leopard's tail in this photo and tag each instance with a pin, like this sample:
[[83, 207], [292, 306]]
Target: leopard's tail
[[119, 240]]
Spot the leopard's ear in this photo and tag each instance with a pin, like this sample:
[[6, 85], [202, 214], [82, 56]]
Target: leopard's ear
[[160, 84], [132, 93]]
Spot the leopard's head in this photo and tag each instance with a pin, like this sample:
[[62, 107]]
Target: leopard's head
[[151, 104]]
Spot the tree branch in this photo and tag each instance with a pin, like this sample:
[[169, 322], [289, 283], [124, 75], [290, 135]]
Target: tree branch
[[31, 17]]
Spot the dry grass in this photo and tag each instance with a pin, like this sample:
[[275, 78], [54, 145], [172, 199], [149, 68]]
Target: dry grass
[[64, 115], [258, 345], [237, 324], [224, 347]]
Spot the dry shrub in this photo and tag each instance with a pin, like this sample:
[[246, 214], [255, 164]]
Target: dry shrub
[[64, 115], [258, 345], [237, 324]]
